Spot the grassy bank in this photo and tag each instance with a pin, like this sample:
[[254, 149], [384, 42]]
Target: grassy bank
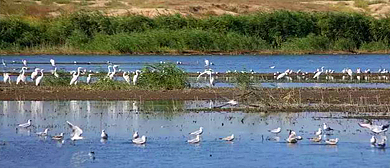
[[277, 32]]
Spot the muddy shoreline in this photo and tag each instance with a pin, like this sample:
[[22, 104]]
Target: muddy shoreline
[[253, 100]]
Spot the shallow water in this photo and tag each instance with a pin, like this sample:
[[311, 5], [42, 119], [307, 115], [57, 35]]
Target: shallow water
[[167, 128], [257, 63]]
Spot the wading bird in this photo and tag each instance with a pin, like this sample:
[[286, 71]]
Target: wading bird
[[135, 77], [34, 74], [39, 78], [6, 78], [21, 77]]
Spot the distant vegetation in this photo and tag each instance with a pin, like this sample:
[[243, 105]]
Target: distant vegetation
[[280, 31]]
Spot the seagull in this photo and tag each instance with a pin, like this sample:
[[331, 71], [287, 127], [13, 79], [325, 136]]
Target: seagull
[[292, 137], [197, 132], [140, 141], [135, 135], [26, 125], [382, 144], [375, 128], [332, 141], [276, 130], [104, 135], [373, 140], [44, 133], [326, 127], [58, 137], [316, 139], [195, 140], [76, 132], [228, 138], [319, 132]]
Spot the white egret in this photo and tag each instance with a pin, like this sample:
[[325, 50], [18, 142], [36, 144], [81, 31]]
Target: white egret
[[111, 76], [195, 140], [52, 62], [318, 73], [208, 72], [135, 77], [76, 132], [104, 135], [228, 138], [6, 78], [135, 135], [197, 132], [126, 77], [89, 78], [39, 78], [21, 77], [24, 62], [212, 81], [75, 76], [109, 71], [44, 133], [34, 74], [140, 141], [58, 137], [54, 72]]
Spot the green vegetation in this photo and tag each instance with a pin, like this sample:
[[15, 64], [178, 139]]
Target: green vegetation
[[280, 31]]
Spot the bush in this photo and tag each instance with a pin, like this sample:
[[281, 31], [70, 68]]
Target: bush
[[162, 76], [309, 43]]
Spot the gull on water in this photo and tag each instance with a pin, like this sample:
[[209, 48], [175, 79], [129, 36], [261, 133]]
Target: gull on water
[[104, 135], [292, 137], [197, 132], [276, 130], [375, 128], [326, 127], [195, 140], [228, 138], [319, 132], [332, 141], [382, 144], [58, 137], [316, 139], [26, 125], [76, 132], [135, 135], [373, 140], [44, 133], [140, 141]]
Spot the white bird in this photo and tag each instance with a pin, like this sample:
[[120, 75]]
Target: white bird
[[58, 137], [39, 78], [135, 77], [52, 62], [140, 141], [24, 62], [89, 78], [44, 133], [197, 132], [76, 132], [207, 62], [111, 76], [195, 140], [332, 141], [34, 74], [276, 130], [4, 64], [228, 138], [326, 127], [6, 78], [375, 128], [126, 77], [104, 135], [211, 81], [135, 135], [26, 125], [350, 72], [292, 137], [316, 139], [280, 76], [382, 144], [373, 140], [207, 71], [109, 71], [318, 73], [272, 67], [54, 72], [319, 132], [21, 77], [75, 76]]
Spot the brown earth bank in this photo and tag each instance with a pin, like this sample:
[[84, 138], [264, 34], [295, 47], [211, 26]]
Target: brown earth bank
[[250, 100]]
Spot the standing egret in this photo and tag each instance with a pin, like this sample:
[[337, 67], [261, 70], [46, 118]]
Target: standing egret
[[39, 78], [75, 76], [212, 81], [126, 77], [89, 78], [6, 78], [135, 77], [55, 73], [24, 62], [109, 71], [52, 62], [318, 73], [111, 76], [34, 74], [21, 77]]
